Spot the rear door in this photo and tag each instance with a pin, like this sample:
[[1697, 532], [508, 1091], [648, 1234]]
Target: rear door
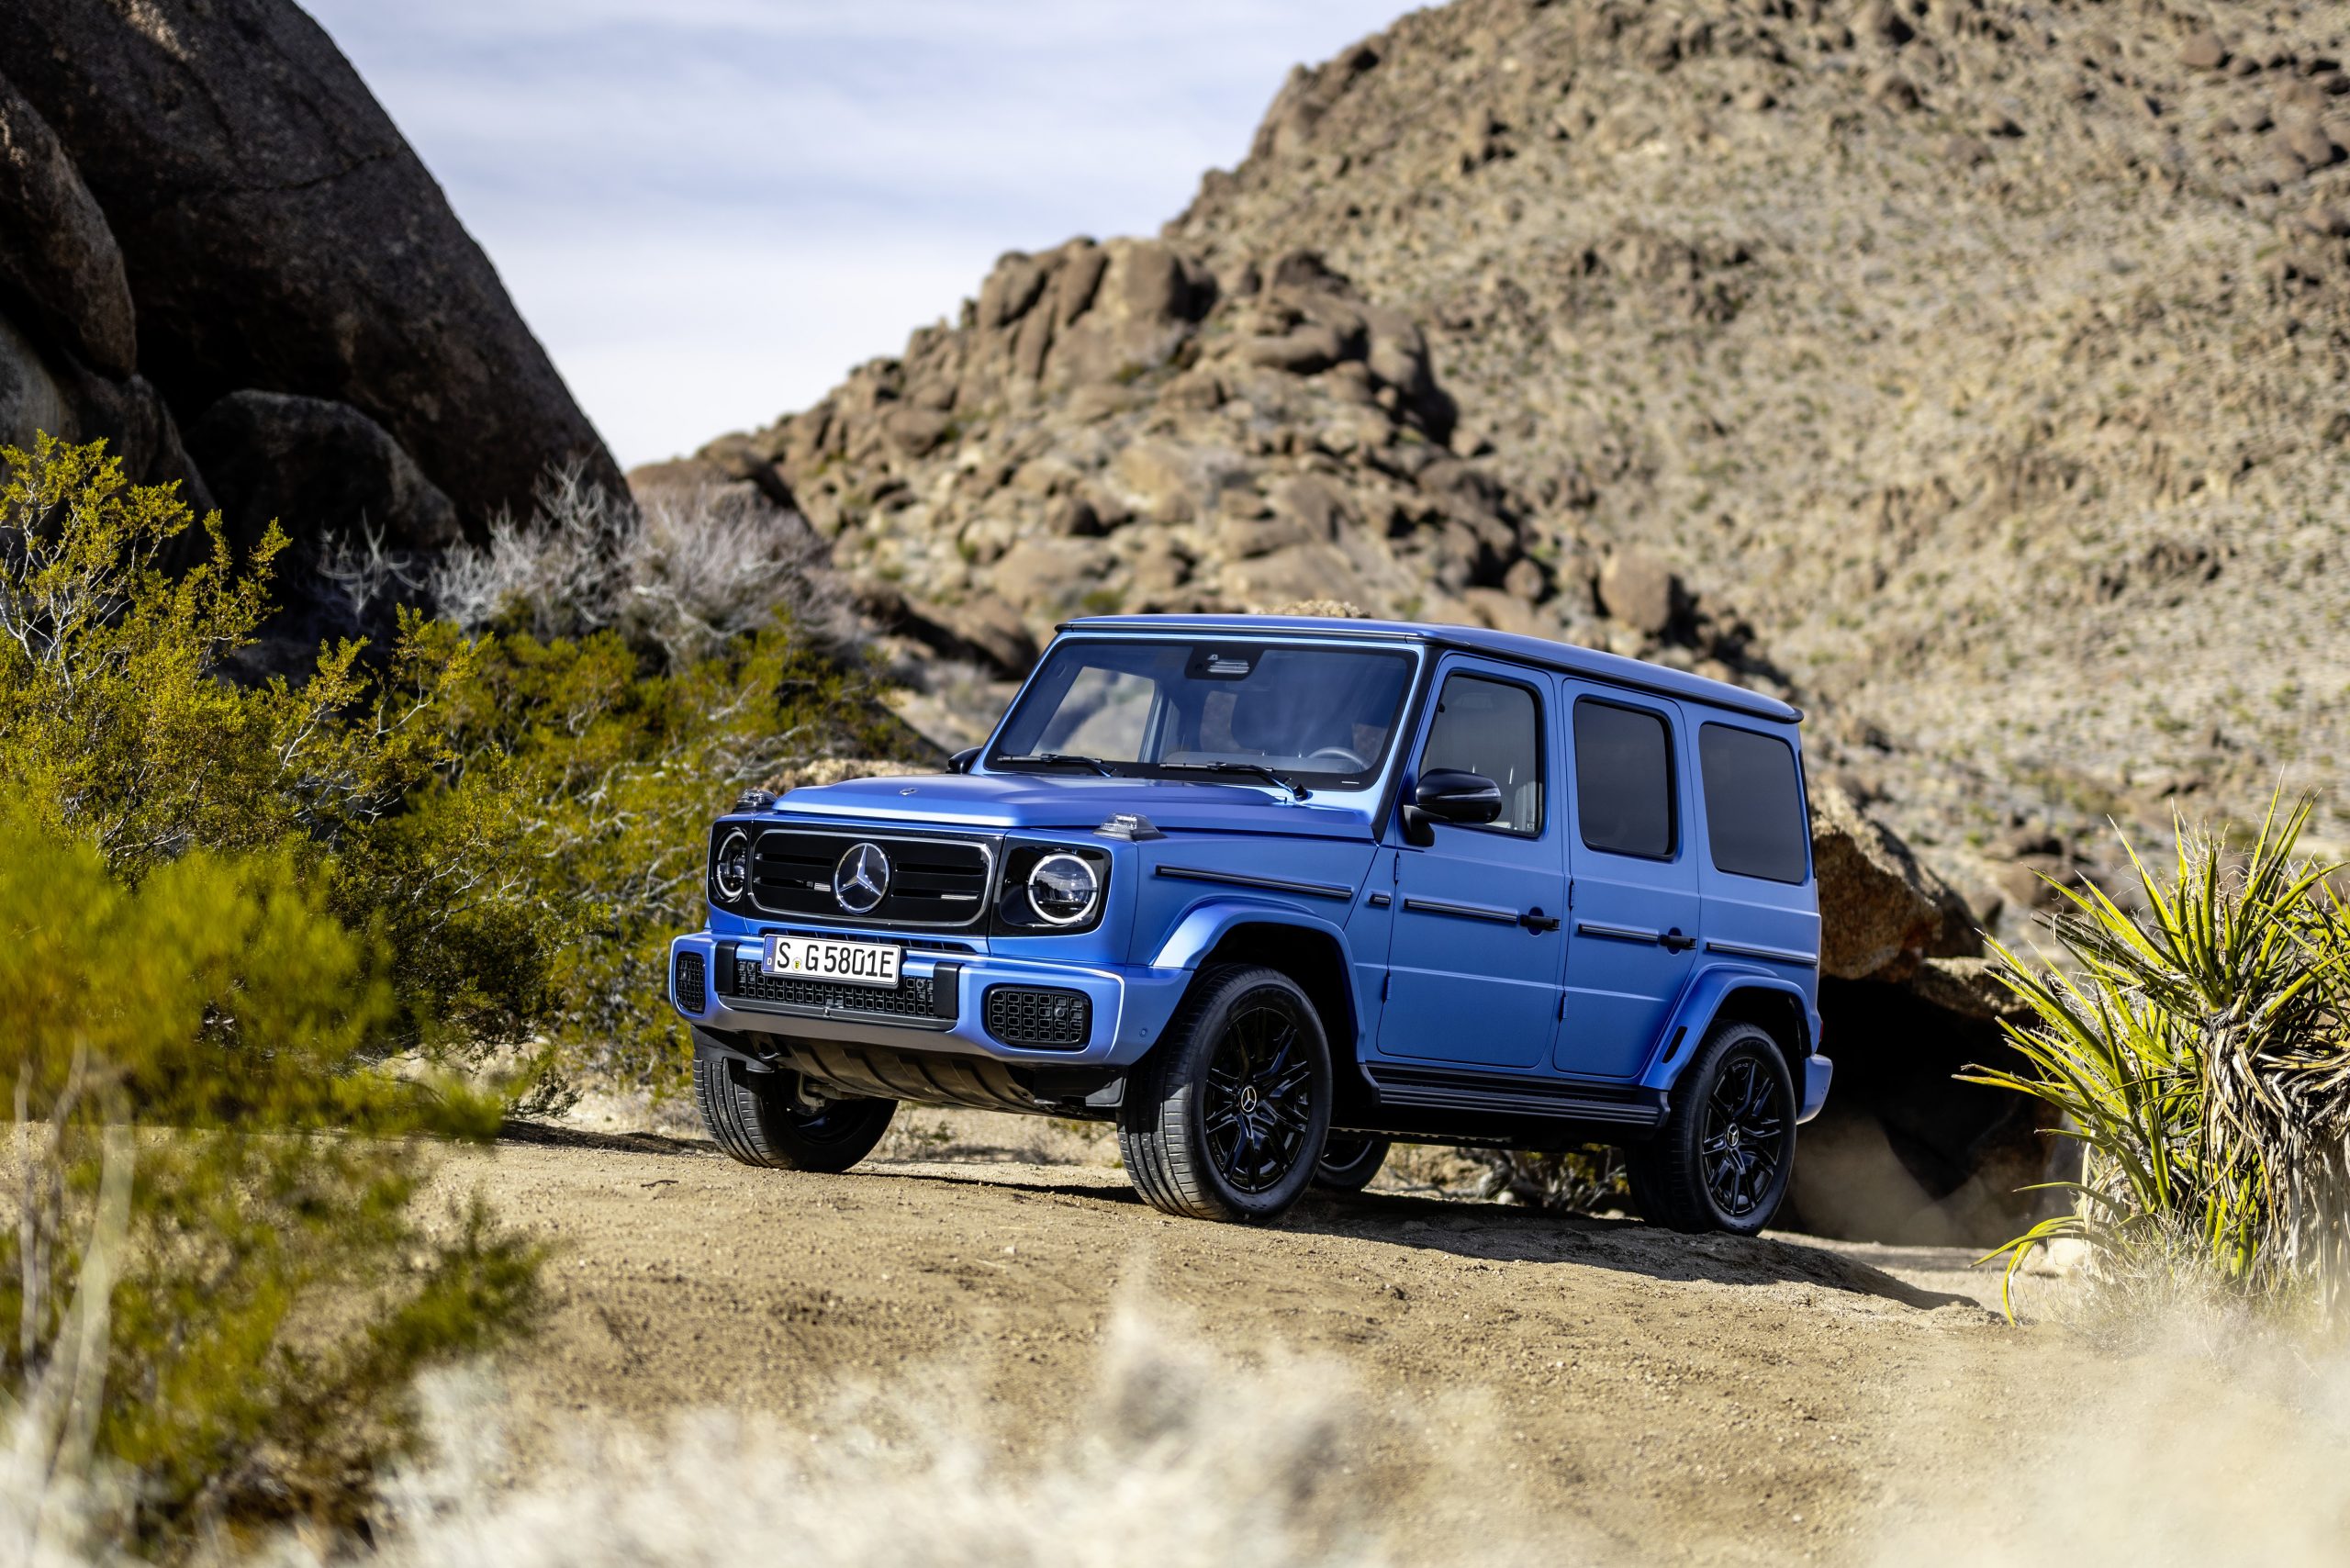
[[1474, 961], [1633, 929]]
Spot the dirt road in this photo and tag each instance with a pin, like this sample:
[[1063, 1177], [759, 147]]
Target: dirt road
[[1660, 1395]]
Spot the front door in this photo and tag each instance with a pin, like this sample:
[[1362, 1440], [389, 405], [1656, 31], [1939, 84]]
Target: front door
[[1632, 938], [1474, 964]]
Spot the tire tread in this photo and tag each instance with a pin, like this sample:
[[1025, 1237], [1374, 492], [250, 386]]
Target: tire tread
[[1153, 1125], [750, 1128]]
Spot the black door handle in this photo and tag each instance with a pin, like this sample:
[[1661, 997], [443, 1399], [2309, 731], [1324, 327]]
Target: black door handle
[[1675, 943], [1534, 919]]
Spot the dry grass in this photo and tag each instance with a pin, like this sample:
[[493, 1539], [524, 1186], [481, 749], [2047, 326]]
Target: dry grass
[[1176, 1459], [682, 571]]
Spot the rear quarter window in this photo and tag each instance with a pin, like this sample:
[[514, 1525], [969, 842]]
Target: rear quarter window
[[1755, 824]]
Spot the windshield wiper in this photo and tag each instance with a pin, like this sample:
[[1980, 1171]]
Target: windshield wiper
[[1257, 769], [1069, 759]]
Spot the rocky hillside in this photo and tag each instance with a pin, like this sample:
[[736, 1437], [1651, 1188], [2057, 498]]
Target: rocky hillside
[[1114, 426], [218, 253], [1973, 369], [1990, 356]]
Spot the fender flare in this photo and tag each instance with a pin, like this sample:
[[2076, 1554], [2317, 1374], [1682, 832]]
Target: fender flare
[[1205, 924], [1702, 1000]]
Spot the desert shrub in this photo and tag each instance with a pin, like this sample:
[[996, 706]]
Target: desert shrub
[[118, 728], [637, 665], [2198, 1047], [1578, 1180], [605, 777], [217, 1289], [680, 573], [517, 812]]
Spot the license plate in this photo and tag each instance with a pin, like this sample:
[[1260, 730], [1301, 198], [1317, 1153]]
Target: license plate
[[847, 963]]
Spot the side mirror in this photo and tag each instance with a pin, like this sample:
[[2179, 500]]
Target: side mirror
[[961, 761], [1448, 795]]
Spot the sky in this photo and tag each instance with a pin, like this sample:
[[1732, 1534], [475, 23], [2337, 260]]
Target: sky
[[709, 209]]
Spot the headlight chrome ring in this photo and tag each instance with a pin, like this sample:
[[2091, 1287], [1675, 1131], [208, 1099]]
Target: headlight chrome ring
[[1063, 889], [730, 870]]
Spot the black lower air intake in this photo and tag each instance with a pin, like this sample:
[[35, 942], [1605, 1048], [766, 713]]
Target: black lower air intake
[[1040, 1018]]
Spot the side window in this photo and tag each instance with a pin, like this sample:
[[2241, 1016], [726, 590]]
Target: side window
[[1492, 727], [1624, 779], [1755, 817]]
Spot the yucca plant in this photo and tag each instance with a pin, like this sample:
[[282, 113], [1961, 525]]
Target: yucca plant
[[2198, 1047]]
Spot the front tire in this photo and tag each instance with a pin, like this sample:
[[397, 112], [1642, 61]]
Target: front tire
[[1226, 1119], [1727, 1151], [758, 1118]]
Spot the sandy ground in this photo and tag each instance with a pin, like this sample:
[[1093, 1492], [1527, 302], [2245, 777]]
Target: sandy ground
[[1639, 1393]]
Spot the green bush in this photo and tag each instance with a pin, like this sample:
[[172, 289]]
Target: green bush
[[2200, 1050], [604, 777], [229, 906], [248, 925], [116, 728], [216, 1283], [519, 821]]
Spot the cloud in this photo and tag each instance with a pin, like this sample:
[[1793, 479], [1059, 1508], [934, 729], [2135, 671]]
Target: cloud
[[709, 209]]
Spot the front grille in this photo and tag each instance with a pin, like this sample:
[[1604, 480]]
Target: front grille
[[1038, 1018], [912, 999], [932, 882], [692, 994]]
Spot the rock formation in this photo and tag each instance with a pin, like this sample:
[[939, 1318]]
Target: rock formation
[[207, 223]]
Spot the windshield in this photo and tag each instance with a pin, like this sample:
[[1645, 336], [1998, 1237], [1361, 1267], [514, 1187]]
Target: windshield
[[1321, 716]]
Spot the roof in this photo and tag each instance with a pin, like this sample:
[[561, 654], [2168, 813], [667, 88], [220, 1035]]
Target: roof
[[1588, 663]]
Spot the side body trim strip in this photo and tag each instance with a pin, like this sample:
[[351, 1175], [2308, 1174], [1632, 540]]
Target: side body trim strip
[[1773, 955], [1465, 910], [1266, 884]]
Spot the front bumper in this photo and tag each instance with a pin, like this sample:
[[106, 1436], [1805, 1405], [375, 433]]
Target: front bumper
[[1128, 1004]]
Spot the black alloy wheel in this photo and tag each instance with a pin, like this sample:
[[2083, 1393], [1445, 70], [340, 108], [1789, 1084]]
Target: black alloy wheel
[[1226, 1118], [1259, 1100], [1349, 1160], [1744, 1137], [1726, 1153]]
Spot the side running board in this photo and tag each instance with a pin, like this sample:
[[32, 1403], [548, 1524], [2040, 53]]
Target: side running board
[[1508, 1094]]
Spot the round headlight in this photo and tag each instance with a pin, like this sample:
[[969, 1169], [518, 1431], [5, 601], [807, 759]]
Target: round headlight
[[1063, 889], [730, 870]]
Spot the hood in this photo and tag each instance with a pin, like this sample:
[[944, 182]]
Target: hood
[[1034, 800]]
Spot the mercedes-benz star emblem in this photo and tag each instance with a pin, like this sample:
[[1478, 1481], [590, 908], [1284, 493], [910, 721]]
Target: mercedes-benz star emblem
[[862, 879]]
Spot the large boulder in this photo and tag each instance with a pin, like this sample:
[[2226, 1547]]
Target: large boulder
[[31, 400], [43, 392], [60, 269], [277, 233], [320, 467], [1882, 911]]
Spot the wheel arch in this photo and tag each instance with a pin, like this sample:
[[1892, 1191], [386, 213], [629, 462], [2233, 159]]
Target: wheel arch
[[1758, 997], [1310, 951]]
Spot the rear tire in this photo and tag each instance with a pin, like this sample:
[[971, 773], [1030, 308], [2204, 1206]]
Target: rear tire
[[758, 1117], [1348, 1161], [1724, 1157], [1225, 1120]]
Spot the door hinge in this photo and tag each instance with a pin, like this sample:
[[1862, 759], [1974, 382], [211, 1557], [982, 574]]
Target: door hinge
[[1562, 1005], [1384, 980], [1570, 893]]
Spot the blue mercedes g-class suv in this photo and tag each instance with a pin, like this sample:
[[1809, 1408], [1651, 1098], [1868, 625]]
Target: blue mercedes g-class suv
[[1272, 892]]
